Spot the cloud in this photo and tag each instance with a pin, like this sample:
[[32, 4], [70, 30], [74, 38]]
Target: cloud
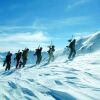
[[17, 41], [68, 21], [75, 20], [36, 25], [36, 36], [76, 3]]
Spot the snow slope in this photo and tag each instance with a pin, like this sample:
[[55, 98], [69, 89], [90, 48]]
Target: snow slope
[[89, 43], [60, 80], [84, 44]]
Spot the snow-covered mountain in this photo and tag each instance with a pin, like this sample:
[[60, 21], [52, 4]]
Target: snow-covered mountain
[[89, 43], [60, 80], [84, 44]]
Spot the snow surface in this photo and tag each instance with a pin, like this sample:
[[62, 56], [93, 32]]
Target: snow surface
[[60, 80], [89, 43]]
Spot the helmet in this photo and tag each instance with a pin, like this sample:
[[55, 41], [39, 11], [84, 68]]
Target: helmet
[[69, 40], [53, 46], [41, 48]]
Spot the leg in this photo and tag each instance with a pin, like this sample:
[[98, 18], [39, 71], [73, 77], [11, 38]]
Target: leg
[[49, 58], [20, 64], [17, 63], [6, 68], [37, 62], [40, 58], [24, 62], [9, 66], [74, 53], [70, 55], [4, 63], [52, 57]]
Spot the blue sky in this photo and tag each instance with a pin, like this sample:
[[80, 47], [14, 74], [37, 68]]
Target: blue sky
[[28, 23]]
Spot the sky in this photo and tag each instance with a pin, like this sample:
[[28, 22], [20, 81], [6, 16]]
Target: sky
[[30, 23]]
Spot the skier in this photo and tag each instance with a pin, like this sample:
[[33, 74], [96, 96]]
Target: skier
[[24, 56], [7, 61], [18, 59], [50, 53], [72, 49], [38, 54]]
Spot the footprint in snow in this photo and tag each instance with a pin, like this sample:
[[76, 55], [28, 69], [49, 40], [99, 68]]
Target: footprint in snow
[[70, 72], [71, 77], [58, 82], [72, 69], [47, 74], [28, 92], [31, 80], [12, 85]]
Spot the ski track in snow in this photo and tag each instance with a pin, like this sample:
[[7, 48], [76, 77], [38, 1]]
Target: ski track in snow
[[73, 80]]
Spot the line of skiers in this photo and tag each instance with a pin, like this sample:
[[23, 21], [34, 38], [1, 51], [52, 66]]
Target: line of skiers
[[38, 54], [21, 57], [7, 61]]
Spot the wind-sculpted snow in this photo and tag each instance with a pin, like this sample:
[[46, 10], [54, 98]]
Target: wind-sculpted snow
[[89, 43], [60, 80]]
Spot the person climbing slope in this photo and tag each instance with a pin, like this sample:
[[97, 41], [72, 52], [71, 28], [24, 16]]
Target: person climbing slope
[[24, 56], [50, 53], [39, 55], [18, 59], [72, 49], [7, 61]]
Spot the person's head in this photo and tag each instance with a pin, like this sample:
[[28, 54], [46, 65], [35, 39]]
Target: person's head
[[41, 48], [8, 52], [53, 46], [27, 50], [69, 40], [74, 40]]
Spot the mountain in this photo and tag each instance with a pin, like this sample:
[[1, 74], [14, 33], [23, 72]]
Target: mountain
[[89, 43], [84, 44], [60, 80]]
